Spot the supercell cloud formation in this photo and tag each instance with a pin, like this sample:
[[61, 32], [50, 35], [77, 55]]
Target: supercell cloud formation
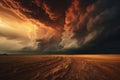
[[61, 24]]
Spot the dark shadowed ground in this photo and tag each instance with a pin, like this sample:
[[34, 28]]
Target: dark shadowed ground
[[62, 67]]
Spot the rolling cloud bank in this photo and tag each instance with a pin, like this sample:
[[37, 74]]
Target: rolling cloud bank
[[47, 25]]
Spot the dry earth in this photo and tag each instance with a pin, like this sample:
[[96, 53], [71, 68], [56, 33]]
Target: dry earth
[[37, 67]]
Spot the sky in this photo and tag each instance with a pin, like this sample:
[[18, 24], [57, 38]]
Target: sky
[[60, 25]]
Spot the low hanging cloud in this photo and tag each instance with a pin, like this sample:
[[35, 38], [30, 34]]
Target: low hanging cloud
[[14, 35], [67, 24]]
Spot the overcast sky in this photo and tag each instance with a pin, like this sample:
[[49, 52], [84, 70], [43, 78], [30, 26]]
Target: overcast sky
[[58, 25]]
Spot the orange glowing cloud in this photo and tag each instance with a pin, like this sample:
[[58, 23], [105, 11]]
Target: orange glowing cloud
[[25, 31], [16, 29], [47, 9], [54, 24]]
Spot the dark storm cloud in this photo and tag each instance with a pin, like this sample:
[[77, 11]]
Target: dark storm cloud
[[104, 19], [80, 23], [51, 44], [49, 12], [103, 15], [75, 23]]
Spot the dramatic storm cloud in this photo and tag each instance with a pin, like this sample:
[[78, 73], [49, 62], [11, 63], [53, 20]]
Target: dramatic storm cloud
[[67, 24], [14, 35]]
